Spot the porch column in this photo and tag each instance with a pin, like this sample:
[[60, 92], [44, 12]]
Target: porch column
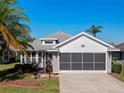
[[25, 59], [21, 59], [37, 60], [55, 62], [42, 62], [31, 56], [109, 62]]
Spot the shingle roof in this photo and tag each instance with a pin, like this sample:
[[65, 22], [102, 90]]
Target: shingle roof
[[60, 35], [38, 46], [120, 46]]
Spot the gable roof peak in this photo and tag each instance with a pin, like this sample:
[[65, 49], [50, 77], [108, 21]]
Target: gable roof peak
[[83, 33]]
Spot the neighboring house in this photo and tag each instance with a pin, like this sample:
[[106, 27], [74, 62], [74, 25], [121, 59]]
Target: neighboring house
[[119, 55], [8, 56], [7, 53], [79, 53]]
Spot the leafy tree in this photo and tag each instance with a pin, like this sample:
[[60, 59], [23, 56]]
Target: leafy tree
[[94, 30]]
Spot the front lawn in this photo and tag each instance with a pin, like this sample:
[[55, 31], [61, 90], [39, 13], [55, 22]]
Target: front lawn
[[118, 76], [7, 66], [118, 71], [47, 85]]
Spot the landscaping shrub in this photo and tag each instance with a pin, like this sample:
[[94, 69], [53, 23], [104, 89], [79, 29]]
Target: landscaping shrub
[[122, 72], [25, 67], [115, 59], [17, 59], [18, 66], [116, 67], [12, 60]]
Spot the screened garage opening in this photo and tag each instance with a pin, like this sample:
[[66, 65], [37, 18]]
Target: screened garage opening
[[82, 61]]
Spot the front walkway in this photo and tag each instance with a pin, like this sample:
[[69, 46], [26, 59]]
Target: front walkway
[[89, 83]]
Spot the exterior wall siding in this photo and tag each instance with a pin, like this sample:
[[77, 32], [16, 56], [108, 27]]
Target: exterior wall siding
[[83, 44]]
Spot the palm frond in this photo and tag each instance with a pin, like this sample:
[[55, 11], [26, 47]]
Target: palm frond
[[94, 30], [8, 37], [11, 27]]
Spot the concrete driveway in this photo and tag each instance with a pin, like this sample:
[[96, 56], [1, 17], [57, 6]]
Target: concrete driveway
[[89, 83]]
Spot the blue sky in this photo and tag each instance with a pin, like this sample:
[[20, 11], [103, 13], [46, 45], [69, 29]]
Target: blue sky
[[74, 16]]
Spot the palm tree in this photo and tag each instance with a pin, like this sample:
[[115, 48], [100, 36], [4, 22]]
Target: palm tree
[[13, 26], [94, 30], [11, 29]]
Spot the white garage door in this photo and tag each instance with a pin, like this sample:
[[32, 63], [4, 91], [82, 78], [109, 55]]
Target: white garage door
[[82, 61]]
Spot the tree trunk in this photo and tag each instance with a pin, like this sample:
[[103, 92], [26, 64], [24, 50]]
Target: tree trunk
[[94, 34]]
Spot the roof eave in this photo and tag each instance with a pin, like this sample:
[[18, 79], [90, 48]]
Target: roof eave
[[114, 50]]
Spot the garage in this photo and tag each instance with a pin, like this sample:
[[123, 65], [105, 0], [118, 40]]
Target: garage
[[84, 53], [82, 61]]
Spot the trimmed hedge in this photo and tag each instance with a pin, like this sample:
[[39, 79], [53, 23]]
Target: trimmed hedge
[[25, 68], [116, 67]]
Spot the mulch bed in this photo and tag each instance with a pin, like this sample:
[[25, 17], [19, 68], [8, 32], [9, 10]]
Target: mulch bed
[[22, 83]]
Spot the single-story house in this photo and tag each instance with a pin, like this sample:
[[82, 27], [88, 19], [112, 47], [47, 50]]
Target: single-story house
[[8, 56], [79, 53], [119, 55]]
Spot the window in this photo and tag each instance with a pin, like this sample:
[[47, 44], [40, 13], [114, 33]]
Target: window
[[33, 57], [40, 54], [48, 42]]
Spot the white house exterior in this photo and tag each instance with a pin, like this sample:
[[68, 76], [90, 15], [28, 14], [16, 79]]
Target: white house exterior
[[79, 53]]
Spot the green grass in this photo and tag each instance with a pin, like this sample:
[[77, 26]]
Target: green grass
[[118, 76], [7, 66], [6, 75], [49, 85]]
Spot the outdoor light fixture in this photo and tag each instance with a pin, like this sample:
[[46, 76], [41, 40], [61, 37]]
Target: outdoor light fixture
[[82, 45]]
